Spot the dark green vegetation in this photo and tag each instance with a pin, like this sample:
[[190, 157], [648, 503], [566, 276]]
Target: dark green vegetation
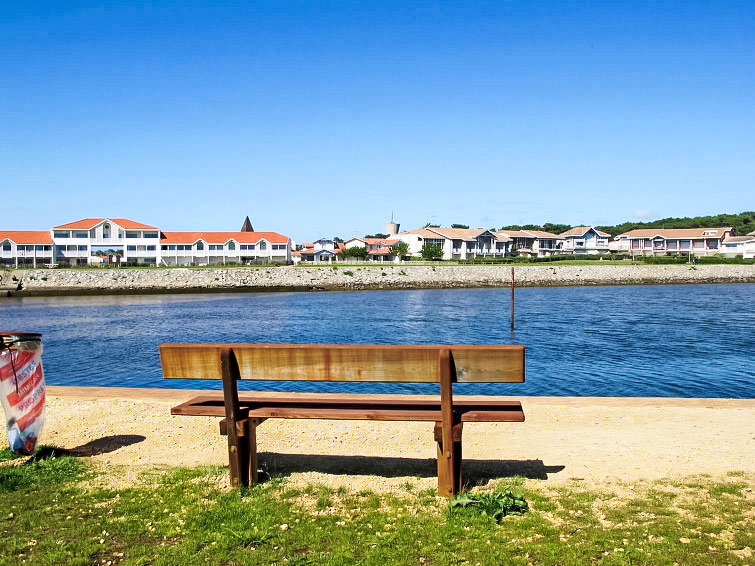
[[62, 513], [431, 251], [743, 223]]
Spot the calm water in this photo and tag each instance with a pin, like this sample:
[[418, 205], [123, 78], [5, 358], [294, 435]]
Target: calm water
[[689, 341]]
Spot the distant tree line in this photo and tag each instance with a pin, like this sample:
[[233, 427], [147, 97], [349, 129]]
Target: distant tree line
[[743, 223]]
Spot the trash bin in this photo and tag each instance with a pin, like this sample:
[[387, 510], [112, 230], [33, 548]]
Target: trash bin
[[22, 388]]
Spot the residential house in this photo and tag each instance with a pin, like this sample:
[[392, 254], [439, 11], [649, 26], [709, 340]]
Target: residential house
[[378, 249], [324, 250], [585, 240], [456, 243], [532, 243], [732, 246], [655, 241]]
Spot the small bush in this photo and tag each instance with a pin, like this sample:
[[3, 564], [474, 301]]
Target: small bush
[[495, 505]]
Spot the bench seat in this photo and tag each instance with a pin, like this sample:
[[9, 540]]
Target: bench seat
[[349, 406]]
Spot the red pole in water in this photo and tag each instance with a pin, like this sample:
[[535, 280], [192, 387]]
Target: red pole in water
[[512, 297]]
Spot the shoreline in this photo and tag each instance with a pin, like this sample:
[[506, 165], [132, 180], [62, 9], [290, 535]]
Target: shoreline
[[73, 282]]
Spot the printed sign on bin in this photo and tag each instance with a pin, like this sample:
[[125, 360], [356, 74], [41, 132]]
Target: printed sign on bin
[[22, 388]]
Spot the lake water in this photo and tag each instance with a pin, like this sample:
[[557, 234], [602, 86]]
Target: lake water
[[673, 340]]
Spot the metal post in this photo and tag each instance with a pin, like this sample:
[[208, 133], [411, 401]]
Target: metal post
[[512, 298]]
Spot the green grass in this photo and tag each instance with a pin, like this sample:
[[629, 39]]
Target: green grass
[[65, 513]]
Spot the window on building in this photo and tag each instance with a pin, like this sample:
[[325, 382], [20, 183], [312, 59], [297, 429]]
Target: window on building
[[81, 235], [131, 248], [150, 234], [60, 234], [151, 248], [82, 248], [263, 246], [132, 234], [6, 247], [200, 246], [231, 246]]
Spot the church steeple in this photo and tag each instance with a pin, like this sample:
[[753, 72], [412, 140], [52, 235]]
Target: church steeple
[[247, 227]]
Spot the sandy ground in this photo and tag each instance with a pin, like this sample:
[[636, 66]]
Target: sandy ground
[[563, 440]]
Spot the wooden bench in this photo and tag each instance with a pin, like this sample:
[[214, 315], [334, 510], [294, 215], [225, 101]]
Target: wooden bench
[[320, 362]]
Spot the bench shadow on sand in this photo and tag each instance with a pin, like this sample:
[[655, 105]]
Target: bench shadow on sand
[[476, 472], [106, 444]]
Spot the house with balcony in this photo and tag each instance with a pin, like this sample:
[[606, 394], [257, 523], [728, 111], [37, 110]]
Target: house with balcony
[[584, 240], [673, 241], [77, 242], [222, 248], [324, 250], [456, 243], [23, 248], [733, 246], [532, 243]]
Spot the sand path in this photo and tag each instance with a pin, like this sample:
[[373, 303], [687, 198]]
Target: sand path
[[563, 439]]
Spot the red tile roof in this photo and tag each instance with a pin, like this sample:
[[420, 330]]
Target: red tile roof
[[89, 223], [222, 237], [26, 236], [381, 251]]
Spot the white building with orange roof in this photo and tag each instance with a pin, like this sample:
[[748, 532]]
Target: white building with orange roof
[[20, 248], [221, 248], [94, 240], [77, 242], [585, 240], [658, 241]]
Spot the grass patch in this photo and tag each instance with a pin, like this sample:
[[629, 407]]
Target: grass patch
[[66, 514], [47, 466]]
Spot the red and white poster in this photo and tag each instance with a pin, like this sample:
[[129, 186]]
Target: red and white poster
[[22, 391]]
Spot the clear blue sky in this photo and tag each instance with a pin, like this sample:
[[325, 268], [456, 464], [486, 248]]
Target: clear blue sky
[[322, 119]]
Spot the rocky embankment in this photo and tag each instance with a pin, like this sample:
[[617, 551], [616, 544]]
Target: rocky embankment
[[167, 280]]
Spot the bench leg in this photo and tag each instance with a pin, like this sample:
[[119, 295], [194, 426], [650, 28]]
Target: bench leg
[[242, 453], [449, 461]]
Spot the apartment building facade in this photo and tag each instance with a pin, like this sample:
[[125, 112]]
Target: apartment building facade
[[118, 240]]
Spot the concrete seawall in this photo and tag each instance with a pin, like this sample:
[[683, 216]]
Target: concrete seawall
[[127, 281]]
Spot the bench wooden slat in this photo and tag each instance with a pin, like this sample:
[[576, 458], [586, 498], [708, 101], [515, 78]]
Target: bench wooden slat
[[356, 407], [339, 362]]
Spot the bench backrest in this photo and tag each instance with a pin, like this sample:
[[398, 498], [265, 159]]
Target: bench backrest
[[342, 362]]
